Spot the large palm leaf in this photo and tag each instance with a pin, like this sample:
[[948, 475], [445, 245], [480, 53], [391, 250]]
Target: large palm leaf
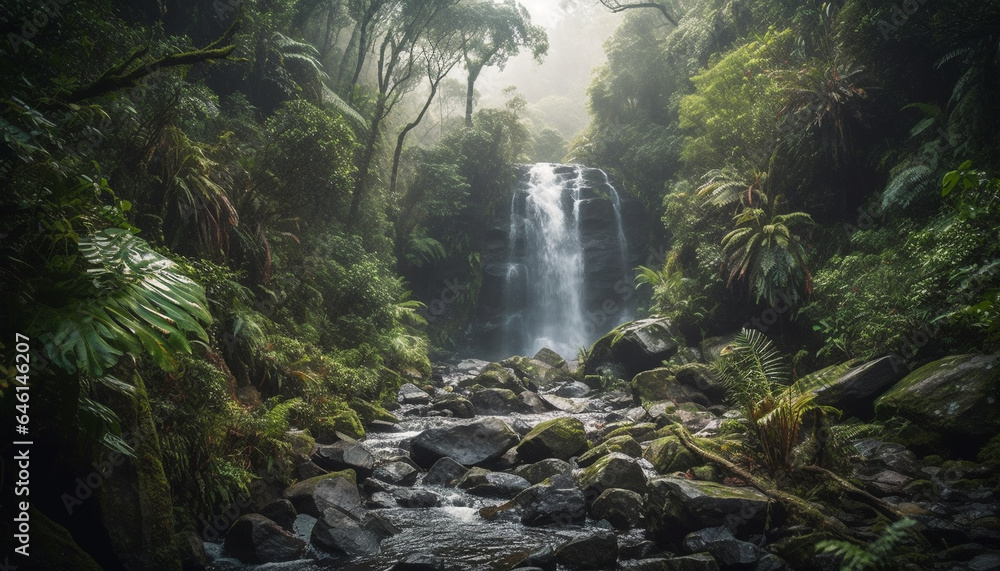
[[132, 300]]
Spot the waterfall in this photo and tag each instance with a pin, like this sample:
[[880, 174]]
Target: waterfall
[[545, 282]]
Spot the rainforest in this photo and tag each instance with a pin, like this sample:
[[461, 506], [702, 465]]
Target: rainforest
[[499, 284]]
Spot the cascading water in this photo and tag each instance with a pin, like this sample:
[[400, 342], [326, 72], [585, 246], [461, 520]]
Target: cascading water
[[546, 277]]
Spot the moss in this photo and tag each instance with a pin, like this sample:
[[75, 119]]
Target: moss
[[560, 438], [669, 455], [53, 548], [638, 431], [345, 421], [624, 444], [136, 506], [369, 412], [300, 440], [310, 484]]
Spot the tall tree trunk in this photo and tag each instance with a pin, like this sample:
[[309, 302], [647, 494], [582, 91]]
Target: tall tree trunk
[[402, 136], [470, 91], [365, 164], [345, 60]]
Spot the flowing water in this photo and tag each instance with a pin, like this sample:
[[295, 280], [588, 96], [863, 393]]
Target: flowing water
[[546, 270]]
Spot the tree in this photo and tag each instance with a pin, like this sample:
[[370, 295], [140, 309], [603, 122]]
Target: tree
[[616, 6], [397, 58], [494, 34]]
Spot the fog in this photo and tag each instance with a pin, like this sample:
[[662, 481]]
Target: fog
[[556, 89]]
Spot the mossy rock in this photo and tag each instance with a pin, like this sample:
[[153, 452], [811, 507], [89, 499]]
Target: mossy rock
[[344, 421], [52, 548], [661, 384], [613, 470], [301, 441], [134, 501], [955, 396], [560, 438], [550, 358], [624, 444], [640, 432], [369, 412], [669, 455], [538, 373], [494, 376], [632, 348]]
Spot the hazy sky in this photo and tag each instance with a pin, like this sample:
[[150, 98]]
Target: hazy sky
[[577, 30]]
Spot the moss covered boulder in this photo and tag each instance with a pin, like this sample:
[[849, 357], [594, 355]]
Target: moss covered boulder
[[955, 396], [623, 444], [52, 548], [669, 455], [551, 358], [534, 372], [369, 412], [560, 438], [344, 421], [494, 376], [641, 432], [678, 506], [633, 348], [336, 489], [661, 384], [854, 385], [612, 471]]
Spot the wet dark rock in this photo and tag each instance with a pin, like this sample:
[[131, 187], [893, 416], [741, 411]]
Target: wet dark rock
[[398, 473], [539, 471], [315, 495], [382, 426], [309, 470], [621, 508], [412, 394], [677, 506], [853, 387], [416, 498], [345, 455], [459, 407], [470, 444], [661, 384], [730, 552], [256, 539], [379, 525], [444, 472], [192, 551], [669, 455], [632, 348], [420, 562], [482, 482], [339, 534], [612, 471], [543, 504], [598, 550], [538, 375], [494, 376], [281, 512], [573, 389], [570, 405], [496, 401], [561, 438], [532, 402], [697, 562]]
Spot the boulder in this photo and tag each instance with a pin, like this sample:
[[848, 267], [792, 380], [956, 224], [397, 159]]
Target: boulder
[[415, 498], [661, 384], [256, 539], [624, 444], [496, 401], [482, 482], [570, 405], [191, 547], [337, 533], [728, 551], [561, 438], [459, 407], [532, 402], [597, 550], [550, 358], [345, 455], [668, 455], [470, 444], [612, 471], [711, 348], [633, 348], [641, 432], [544, 504], [955, 396], [281, 512], [494, 376], [541, 471], [419, 562], [852, 387], [696, 562], [678, 506], [331, 428], [573, 389], [397, 473], [621, 508], [410, 393], [444, 472], [538, 374], [335, 490]]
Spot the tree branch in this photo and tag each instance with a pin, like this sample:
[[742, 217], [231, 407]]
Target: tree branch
[[615, 6]]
